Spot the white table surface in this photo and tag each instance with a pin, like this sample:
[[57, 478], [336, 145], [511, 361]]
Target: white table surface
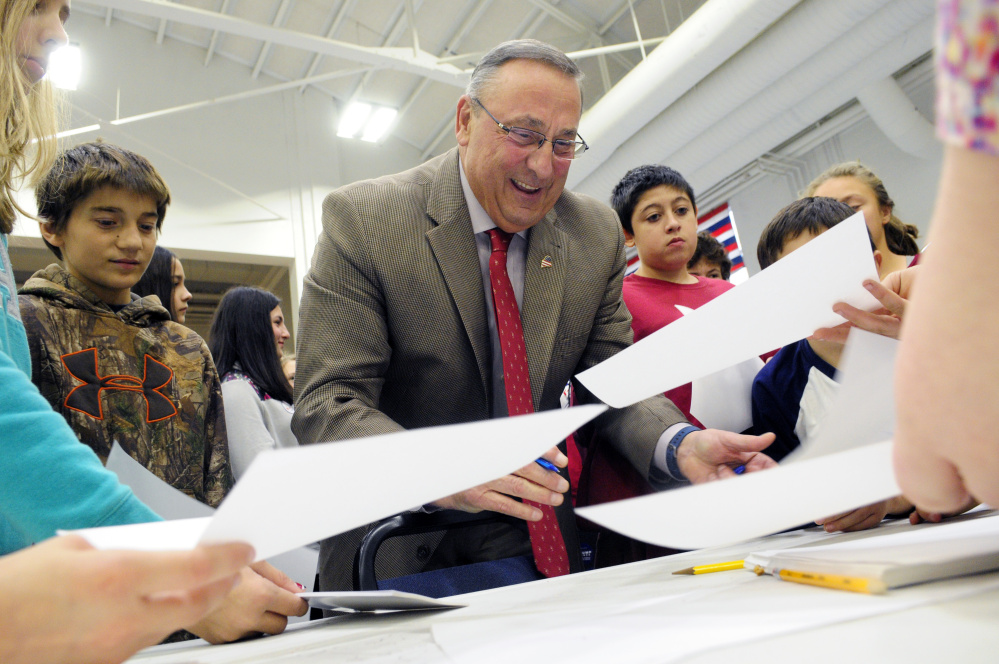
[[965, 629]]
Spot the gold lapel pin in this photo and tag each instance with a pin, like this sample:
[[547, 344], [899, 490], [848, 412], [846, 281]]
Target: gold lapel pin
[[546, 261]]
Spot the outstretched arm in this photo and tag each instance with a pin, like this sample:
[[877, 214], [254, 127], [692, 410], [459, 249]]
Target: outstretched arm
[[947, 375], [65, 602]]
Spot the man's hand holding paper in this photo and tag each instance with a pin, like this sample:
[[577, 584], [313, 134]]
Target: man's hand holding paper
[[532, 482], [712, 454]]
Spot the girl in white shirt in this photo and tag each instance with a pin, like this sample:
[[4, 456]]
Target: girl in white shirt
[[247, 340]]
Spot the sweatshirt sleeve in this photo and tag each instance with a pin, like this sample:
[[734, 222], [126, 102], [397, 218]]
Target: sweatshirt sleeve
[[48, 479], [218, 472], [247, 431]]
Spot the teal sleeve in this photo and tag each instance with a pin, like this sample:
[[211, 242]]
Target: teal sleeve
[[48, 479]]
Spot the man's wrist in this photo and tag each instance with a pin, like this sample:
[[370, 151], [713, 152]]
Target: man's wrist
[[672, 465], [660, 475]]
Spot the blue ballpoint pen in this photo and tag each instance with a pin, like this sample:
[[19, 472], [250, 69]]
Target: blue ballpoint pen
[[547, 465]]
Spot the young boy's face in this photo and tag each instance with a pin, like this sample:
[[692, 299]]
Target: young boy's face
[[664, 229], [707, 269], [108, 241]]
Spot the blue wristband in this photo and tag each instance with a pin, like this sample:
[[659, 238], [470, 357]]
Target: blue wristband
[[672, 467]]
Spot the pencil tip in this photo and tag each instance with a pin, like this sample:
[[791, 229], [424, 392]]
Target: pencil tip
[[689, 570]]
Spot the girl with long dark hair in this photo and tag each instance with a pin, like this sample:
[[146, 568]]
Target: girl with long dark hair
[[246, 339], [164, 278]]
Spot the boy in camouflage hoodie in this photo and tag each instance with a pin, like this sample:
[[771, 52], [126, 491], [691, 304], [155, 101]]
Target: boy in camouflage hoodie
[[113, 364]]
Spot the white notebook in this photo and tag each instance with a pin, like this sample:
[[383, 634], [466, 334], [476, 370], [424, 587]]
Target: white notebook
[[923, 553]]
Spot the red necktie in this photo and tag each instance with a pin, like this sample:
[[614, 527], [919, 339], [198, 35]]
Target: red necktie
[[546, 537]]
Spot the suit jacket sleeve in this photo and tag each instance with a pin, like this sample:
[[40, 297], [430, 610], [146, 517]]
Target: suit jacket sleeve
[[633, 431], [343, 351]]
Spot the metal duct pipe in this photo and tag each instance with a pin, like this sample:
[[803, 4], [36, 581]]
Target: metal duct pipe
[[714, 33], [777, 71], [894, 114], [849, 57], [891, 57]]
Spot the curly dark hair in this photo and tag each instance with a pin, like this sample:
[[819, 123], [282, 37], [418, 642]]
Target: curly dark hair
[[639, 180]]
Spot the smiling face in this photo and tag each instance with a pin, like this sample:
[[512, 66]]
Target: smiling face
[[664, 229], [41, 33], [281, 333], [108, 241], [518, 185], [180, 296], [859, 196]]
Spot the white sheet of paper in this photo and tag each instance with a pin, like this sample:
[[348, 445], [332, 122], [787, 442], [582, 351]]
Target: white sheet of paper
[[160, 497], [863, 411], [170, 503], [375, 600], [782, 304], [724, 400], [360, 481], [678, 627], [754, 504]]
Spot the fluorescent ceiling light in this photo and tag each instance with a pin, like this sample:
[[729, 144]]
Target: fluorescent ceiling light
[[79, 130], [366, 121], [379, 124], [353, 119], [65, 67]]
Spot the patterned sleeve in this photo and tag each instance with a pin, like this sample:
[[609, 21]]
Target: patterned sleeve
[[967, 53], [218, 472]]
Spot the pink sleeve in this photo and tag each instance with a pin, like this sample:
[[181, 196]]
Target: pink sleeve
[[967, 65]]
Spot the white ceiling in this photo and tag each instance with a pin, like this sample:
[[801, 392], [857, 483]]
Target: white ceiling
[[235, 101], [413, 55]]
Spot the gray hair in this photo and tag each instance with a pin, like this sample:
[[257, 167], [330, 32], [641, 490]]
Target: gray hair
[[520, 49]]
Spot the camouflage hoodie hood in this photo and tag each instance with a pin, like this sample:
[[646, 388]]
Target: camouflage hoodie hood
[[133, 376], [61, 289]]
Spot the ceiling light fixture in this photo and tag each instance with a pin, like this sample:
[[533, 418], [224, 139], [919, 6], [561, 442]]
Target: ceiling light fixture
[[353, 119], [65, 67], [365, 121]]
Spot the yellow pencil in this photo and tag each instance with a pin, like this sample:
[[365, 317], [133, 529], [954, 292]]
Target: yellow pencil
[[716, 567], [835, 581]]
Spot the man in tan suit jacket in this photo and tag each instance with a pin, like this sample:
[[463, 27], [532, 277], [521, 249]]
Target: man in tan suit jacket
[[395, 327]]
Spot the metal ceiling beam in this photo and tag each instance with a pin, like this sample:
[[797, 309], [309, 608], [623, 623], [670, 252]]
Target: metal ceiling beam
[[238, 96], [341, 14], [393, 31], [451, 43], [213, 42], [609, 23], [266, 49], [588, 32], [400, 59]]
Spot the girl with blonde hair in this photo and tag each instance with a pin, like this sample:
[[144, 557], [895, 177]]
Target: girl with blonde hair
[[48, 480], [857, 186]]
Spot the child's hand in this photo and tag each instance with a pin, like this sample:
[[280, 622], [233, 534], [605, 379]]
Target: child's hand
[[893, 294], [861, 518], [918, 515]]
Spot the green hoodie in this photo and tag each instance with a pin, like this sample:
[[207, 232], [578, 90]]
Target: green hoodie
[[132, 376], [47, 479]]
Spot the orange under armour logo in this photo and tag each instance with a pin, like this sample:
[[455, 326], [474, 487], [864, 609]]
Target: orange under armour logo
[[86, 398]]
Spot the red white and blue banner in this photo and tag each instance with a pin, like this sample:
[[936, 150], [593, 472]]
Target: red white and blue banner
[[720, 222]]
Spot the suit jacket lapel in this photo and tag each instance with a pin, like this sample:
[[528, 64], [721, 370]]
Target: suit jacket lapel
[[544, 290], [453, 245]]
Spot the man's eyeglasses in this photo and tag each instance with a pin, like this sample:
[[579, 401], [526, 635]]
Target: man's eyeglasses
[[561, 148]]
